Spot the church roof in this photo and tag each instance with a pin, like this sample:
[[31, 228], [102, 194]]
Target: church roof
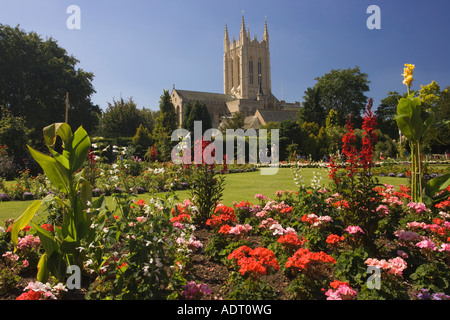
[[275, 115], [205, 96], [251, 122]]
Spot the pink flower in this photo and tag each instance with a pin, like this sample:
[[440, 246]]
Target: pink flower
[[445, 247], [343, 292], [416, 224], [406, 235], [402, 254], [394, 266], [261, 197], [418, 207], [383, 208], [354, 229], [261, 214], [279, 193], [426, 244]]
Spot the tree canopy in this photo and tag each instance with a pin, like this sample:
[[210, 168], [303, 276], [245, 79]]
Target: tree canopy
[[342, 90], [122, 118], [35, 75], [197, 112]]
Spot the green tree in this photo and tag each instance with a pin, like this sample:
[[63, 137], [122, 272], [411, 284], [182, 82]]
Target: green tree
[[289, 134], [142, 141], [198, 112], [312, 110], [165, 124], [237, 121], [437, 102], [386, 112], [187, 112], [314, 140], [35, 75], [121, 119], [342, 90], [332, 119]]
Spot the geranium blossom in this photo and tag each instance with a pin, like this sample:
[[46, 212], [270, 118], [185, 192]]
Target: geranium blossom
[[417, 207], [342, 291], [427, 244], [354, 229], [394, 266], [291, 240], [302, 258], [254, 262]]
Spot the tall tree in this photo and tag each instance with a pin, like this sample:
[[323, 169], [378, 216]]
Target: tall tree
[[165, 124], [35, 75], [342, 90], [386, 112], [237, 121], [312, 110], [121, 119], [199, 112]]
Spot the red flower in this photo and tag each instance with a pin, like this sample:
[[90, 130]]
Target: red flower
[[30, 295], [291, 240], [303, 258], [333, 239], [254, 262], [369, 138], [48, 227], [225, 229], [336, 283]]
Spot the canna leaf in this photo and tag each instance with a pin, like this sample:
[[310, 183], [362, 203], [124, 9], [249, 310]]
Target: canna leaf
[[23, 221], [53, 169]]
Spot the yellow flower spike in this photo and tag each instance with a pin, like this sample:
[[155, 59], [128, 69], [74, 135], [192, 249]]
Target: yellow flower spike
[[408, 74]]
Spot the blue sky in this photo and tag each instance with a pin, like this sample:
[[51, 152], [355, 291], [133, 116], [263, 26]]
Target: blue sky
[[137, 48]]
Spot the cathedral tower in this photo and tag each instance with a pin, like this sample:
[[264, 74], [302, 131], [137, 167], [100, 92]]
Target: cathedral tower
[[246, 64]]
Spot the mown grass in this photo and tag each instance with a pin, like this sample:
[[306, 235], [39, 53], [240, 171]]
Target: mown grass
[[238, 187]]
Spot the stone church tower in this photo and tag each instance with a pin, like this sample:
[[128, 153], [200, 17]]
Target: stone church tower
[[246, 64], [246, 84]]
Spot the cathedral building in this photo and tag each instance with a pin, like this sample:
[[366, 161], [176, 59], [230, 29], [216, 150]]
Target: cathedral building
[[246, 84]]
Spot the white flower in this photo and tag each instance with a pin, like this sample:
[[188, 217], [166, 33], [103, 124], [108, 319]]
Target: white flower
[[60, 287], [2, 230]]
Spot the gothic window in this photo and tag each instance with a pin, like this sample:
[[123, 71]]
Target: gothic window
[[238, 72], [259, 71], [250, 71], [231, 68]]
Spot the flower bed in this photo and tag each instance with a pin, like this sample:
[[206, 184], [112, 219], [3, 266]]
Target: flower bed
[[294, 246]]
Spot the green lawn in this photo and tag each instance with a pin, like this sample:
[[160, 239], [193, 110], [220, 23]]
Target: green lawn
[[238, 187]]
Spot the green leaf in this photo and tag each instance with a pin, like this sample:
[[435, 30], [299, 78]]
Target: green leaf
[[43, 273], [47, 240], [68, 245], [436, 185], [80, 148], [55, 171], [60, 158], [57, 129], [23, 221]]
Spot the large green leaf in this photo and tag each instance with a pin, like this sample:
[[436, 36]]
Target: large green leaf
[[47, 240], [43, 273], [57, 129], [436, 185], [23, 220], [79, 148], [55, 171]]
